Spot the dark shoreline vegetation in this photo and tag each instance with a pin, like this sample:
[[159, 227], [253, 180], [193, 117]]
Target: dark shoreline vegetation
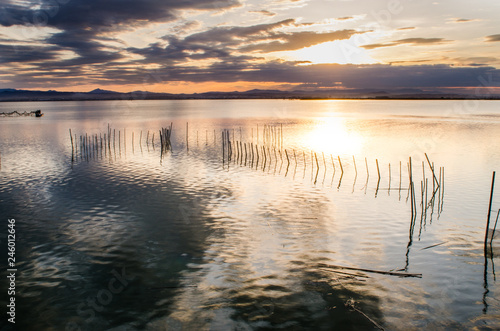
[[13, 95]]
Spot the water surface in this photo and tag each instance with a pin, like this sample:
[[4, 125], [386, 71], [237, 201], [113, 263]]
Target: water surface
[[129, 237]]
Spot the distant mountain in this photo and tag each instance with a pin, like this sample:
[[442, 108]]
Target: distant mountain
[[99, 91], [9, 94]]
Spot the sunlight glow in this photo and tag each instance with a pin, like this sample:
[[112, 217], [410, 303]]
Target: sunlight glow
[[338, 51]]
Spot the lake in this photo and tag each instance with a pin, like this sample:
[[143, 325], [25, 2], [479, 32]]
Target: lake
[[258, 214]]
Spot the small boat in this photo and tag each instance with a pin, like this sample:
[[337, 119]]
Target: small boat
[[38, 113]]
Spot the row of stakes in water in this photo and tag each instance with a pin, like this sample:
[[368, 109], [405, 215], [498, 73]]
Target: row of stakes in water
[[268, 154]]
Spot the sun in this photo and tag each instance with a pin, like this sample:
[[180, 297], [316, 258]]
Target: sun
[[338, 51]]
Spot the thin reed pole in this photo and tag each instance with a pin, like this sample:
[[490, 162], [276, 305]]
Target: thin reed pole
[[281, 134], [367, 172], [431, 166], [390, 177], [71, 136], [494, 228], [400, 176], [489, 211], [223, 143], [257, 152]]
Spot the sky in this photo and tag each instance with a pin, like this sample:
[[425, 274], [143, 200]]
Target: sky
[[186, 46]]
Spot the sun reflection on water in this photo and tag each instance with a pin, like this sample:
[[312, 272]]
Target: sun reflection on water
[[332, 135]]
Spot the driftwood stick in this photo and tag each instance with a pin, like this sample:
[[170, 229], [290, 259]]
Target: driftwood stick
[[433, 246], [346, 273], [390, 273]]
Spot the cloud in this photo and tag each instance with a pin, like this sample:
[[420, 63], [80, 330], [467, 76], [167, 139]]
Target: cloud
[[493, 38], [184, 27], [103, 15], [24, 53], [409, 41], [247, 69], [230, 42], [463, 20], [263, 12], [87, 25], [298, 40], [328, 75], [345, 18], [407, 28]]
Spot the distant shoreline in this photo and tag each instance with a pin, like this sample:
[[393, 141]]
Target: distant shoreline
[[13, 95], [291, 98]]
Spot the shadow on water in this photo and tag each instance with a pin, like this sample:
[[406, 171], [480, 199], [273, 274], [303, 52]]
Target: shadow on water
[[320, 301], [109, 253], [107, 250]]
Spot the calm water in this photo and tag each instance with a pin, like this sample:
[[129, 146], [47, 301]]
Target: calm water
[[129, 238]]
